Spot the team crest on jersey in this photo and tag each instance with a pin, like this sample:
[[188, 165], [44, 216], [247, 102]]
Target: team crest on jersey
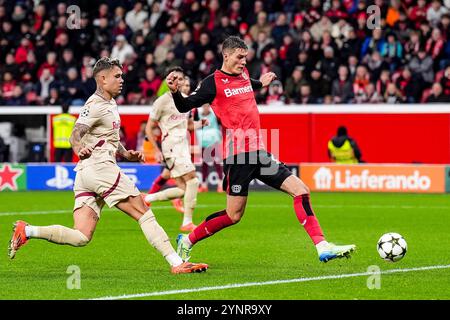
[[244, 75], [225, 81]]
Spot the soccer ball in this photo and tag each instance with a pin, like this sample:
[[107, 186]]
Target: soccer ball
[[392, 247]]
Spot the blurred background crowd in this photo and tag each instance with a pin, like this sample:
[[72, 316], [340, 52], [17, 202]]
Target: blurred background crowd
[[326, 51]]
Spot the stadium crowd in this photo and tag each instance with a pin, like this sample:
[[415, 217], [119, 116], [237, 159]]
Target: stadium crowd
[[322, 51]]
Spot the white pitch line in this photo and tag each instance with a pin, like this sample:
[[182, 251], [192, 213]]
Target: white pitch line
[[265, 283], [323, 206]]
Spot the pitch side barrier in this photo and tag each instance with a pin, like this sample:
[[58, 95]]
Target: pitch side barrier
[[400, 133], [318, 176]]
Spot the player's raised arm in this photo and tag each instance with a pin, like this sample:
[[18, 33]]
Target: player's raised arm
[[266, 79], [205, 93]]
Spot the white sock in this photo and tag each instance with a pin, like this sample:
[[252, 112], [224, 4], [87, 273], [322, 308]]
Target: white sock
[[186, 220], [30, 231], [174, 259], [150, 198], [321, 246]]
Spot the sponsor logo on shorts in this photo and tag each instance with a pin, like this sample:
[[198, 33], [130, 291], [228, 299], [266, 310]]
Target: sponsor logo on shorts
[[236, 188]]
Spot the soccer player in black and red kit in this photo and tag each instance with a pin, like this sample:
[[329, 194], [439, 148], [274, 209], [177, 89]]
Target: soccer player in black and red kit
[[230, 93]]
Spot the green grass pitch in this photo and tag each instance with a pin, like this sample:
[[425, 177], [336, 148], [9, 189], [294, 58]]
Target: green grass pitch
[[260, 256]]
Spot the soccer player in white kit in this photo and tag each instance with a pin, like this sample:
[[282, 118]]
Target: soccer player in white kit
[[99, 180], [175, 150]]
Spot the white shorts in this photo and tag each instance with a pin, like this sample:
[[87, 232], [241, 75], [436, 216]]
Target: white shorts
[[177, 156], [102, 183]]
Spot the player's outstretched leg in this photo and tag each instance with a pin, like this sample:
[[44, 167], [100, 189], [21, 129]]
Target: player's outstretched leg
[[85, 222], [160, 181], [157, 237], [18, 238], [212, 224], [168, 194], [305, 214], [190, 201]]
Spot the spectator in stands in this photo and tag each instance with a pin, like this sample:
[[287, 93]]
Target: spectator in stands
[[361, 80], [186, 44], [371, 94], [163, 48], [190, 64], [121, 49], [350, 45], [437, 95], [375, 64], [102, 36], [434, 12], [8, 87], [320, 87], [50, 64], [412, 46], [10, 66], [280, 29], [342, 87], [74, 94], [22, 51], [88, 82], [135, 18], [418, 13], [383, 82], [392, 51], [67, 62], [33, 34], [208, 64], [45, 82], [422, 66], [374, 43], [323, 25], [262, 44], [62, 42], [275, 96], [293, 83], [435, 44], [267, 65], [393, 94], [352, 66], [53, 99], [329, 64], [305, 95], [409, 87], [262, 25], [150, 85], [445, 82], [122, 28], [307, 44]]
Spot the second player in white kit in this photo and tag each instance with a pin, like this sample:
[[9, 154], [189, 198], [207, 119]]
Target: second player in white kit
[[175, 150]]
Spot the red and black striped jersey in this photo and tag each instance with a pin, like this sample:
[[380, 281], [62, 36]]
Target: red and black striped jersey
[[233, 101]]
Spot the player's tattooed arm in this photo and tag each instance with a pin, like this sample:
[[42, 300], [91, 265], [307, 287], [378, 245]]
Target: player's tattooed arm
[[78, 133], [122, 151]]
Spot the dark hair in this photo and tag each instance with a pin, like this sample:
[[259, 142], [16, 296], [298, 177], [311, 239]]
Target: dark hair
[[172, 69], [342, 131], [105, 63], [232, 43], [65, 107]]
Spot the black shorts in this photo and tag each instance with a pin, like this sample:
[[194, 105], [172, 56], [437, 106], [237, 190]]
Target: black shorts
[[241, 169]]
